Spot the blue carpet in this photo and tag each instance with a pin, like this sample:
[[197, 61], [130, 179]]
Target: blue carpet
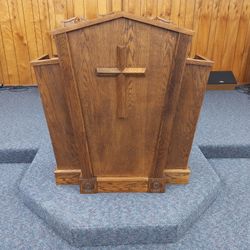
[[118, 218], [19, 227], [223, 124]]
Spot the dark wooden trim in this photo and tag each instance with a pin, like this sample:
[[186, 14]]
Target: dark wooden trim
[[189, 104], [221, 86], [199, 60], [44, 60], [177, 176], [122, 184], [74, 105], [109, 184], [153, 22], [170, 105], [115, 71], [67, 177]]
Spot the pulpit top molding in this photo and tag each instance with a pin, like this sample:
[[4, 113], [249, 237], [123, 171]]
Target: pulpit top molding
[[157, 23]]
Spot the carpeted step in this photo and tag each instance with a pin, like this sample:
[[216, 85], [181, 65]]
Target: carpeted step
[[118, 218]]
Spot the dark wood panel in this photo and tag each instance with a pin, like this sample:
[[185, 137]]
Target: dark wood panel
[[74, 104], [130, 112], [170, 105], [130, 142], [49, 77], [188, 109]]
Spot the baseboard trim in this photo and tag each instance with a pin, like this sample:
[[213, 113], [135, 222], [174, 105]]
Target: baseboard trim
[[67, 177], [103, 184], [221, 86], [122, 184], [177, 176]]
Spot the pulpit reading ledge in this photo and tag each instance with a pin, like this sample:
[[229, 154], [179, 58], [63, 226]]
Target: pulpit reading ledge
[[122, 103]]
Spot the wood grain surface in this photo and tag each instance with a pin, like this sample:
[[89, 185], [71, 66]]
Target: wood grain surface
[[122, 147], [187, 113], [131, 99], [222, 29]]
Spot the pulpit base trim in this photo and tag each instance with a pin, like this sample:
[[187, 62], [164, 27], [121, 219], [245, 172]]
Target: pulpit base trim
[[67, 177], [125, 184], [177, 176]]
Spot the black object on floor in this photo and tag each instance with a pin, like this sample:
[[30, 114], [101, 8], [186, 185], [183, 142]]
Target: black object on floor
[[221, 77]]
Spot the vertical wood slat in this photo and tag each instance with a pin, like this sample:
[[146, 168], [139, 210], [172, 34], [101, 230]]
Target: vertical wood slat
[[45, 26], [220, 32], [242, 47], [8, 43], [195, 27], [74, 105], [78, 8], [91, 9], [116, 5], [204, 23], [192, 92], [28, 16], [212, 30], [222, 29], [121, 83], [3, 59], [170, 105], [234, 13], [20, 41]]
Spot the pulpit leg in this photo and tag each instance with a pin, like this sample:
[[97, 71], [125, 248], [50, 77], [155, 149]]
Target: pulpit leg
[[88, 186], [156, 185]]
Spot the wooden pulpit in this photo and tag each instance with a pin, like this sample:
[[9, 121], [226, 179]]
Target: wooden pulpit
[[122, 103]]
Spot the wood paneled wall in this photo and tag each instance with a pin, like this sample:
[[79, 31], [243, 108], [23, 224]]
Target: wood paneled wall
[[222, 29]]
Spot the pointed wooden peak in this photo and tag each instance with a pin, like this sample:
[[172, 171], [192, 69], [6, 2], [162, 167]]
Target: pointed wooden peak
[[157, 22]]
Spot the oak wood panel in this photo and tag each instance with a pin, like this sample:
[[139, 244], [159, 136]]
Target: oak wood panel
[[74, 105], [130, 143], [191, 96], [49, 77], [150, 145], [170, 105]]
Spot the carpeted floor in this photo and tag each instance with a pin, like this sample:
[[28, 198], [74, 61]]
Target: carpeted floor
[[225, 225]]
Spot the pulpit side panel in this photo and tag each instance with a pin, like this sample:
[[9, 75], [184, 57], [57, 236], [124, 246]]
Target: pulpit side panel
[[72, 99], [50, 83], [192, 93], [122, 147]]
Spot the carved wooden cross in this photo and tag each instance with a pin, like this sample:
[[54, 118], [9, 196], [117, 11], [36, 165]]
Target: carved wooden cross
[[121, 72]]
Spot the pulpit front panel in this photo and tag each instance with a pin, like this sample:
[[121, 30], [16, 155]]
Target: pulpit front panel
[[122, 108]]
